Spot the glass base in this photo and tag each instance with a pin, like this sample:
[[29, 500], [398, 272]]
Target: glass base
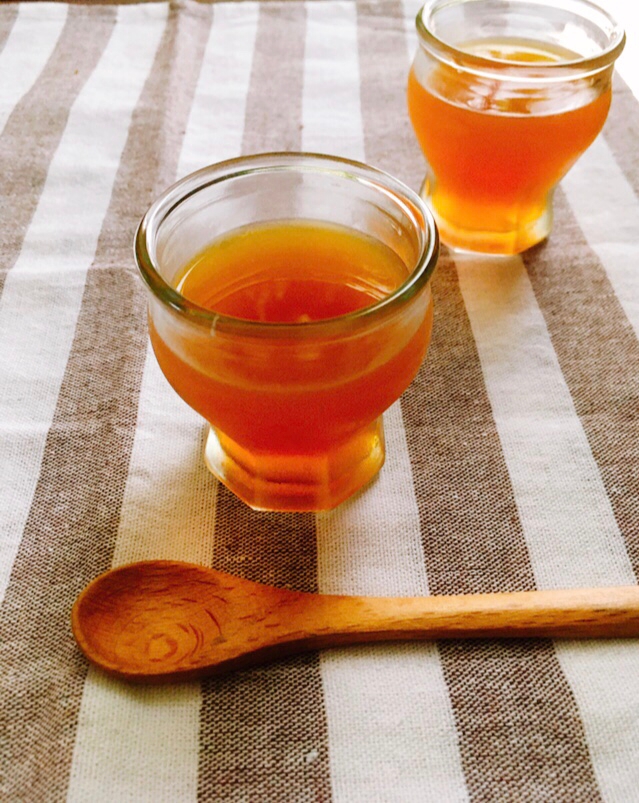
[[291, 482], [532, 229]]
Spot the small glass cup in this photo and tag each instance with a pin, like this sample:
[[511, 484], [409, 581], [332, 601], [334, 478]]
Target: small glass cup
[[504, 96], [295, 409]]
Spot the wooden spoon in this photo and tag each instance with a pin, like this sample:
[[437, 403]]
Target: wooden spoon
[[164, 620]]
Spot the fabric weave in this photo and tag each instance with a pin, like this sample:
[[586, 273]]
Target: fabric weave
[[512, 459]]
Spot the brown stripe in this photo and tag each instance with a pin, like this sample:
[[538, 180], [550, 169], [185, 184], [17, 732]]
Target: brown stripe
[[8, 15], [72, 527], [36, 125], [621, 130], [389, 142], [599, 356], [274, 102], [263, 732], [461, 479], [519, 728]]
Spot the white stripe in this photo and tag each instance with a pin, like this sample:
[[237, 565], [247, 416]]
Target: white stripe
[[353, 553], [572, 536], [410, 8], [606, 684], [43, 293], [331, 100], [216, 124], [168, 512], [31, 42], [106, 760], [627, 14], [558, 489], [392, 733], [169, 503], [603, 677], [607, 210], [391, 730]]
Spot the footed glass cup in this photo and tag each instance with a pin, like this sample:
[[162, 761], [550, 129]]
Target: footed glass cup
[[504, 96], [294, 408]]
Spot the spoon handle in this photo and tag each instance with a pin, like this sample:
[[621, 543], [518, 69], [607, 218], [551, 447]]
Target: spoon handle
[[568, 613], [164, 620]]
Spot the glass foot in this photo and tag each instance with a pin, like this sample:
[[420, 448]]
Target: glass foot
[[489, 233], [292, 482]]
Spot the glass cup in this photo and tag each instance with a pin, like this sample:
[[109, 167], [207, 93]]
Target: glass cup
[[295, 408], [504, 96]]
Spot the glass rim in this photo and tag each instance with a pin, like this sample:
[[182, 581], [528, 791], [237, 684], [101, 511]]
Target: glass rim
[[560, 70], [173, 196]]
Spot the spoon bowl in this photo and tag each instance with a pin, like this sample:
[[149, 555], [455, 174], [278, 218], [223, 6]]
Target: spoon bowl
[[165, 620]]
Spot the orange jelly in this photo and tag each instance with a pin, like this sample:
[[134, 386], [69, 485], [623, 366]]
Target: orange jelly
[[495, 150], [294, 400]]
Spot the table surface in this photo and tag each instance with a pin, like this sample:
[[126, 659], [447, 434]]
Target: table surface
[[513, 459]]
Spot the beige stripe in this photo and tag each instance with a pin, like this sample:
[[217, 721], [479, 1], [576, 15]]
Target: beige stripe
[[621, 131], [572, 536], [37, 123], [460, 475], [371, 544], [263, 732], [599, 358], [389, 141], [274, 103], [70, 532], [8, 15], [28, 49], [156, 521], [472, 537], [627, 14], [607, 209], [473, 542]]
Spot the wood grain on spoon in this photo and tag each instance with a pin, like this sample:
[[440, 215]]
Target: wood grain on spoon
[[165, 620]]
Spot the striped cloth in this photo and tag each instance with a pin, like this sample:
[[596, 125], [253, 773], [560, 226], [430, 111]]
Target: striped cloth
[[513, 459]]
